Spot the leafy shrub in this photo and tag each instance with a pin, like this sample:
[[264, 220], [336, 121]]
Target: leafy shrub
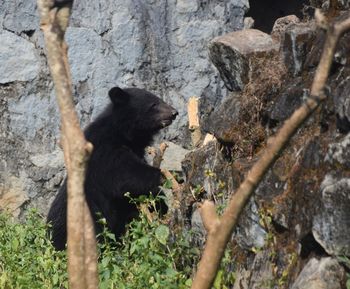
[[148, 256], [27, 257]]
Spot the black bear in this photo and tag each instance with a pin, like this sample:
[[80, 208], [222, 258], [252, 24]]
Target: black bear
[[119, 136]]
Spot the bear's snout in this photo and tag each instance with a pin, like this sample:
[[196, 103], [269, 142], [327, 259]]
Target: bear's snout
[[167, 115], [167, 112]]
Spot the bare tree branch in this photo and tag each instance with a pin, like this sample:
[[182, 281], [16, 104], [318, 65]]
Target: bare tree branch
[[82, 267], [193, 120], [176, 187], [217, 239], [210, 219], [158, 154], [90, 254]]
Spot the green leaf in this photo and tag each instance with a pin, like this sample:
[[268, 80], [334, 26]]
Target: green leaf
[[168, 184], [344, 260], [105, 261], [218, 280], [133, 248], [170, 272], [15, 244], [162, 234], [55, 279]]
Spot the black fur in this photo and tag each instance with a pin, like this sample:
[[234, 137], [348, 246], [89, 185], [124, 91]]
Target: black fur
[[119, 136], [61, 3]]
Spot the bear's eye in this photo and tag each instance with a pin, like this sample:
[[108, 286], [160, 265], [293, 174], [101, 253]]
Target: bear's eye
[[153, 106]]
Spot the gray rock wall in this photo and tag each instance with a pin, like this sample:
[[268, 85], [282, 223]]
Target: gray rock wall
[[294, 231], [159, 45]]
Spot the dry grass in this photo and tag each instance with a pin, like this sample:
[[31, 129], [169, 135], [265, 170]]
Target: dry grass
[[267, 76]]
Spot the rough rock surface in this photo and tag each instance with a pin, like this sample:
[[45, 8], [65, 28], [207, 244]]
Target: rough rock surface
[[300, 210], [13, 195], [160, 46], [339, 152], [233, 55], [18, 58], [223, 117], [289, 100], [172, 158], [325, 273], [331, 226], [281, 24], [252, 278], [295, 45], [211, 176], [207, 167]]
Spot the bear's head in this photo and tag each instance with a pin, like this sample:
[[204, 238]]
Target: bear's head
[[139, 113]]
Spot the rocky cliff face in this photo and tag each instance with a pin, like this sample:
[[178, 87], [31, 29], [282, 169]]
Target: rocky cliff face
[[158, 45], [295, 229], [294, 233]]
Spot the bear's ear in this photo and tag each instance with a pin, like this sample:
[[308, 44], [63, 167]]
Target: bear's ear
[[118, 96]]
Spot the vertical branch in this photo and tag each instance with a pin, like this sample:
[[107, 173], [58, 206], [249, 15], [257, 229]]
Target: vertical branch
[[158, 155], [80, 235], [176, 187], [193, 120], [91, 258], [220, 229]]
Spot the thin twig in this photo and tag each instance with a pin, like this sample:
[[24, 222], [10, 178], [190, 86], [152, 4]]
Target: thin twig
[[176, 187], [158, 154]]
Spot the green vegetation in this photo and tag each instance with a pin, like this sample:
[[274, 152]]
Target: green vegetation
[[148, 256], [27, 258], [345, 261]]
